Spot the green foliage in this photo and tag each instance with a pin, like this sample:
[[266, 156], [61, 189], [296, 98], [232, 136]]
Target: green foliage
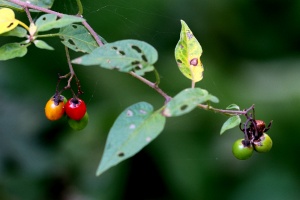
[[17, 32], [124, 56], [50, 21], [12, 50], [77, 38], [42, 45], [230, 123], [186, 101], [135, 128], [139, 124]]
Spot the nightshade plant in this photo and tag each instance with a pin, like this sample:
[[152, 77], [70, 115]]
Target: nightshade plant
[[139, 124]]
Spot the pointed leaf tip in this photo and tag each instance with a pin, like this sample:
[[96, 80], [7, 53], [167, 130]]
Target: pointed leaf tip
[[187, 54]]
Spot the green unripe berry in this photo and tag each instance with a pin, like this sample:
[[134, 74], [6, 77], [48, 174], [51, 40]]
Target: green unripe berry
[[241, 150], [263, 144], [78, 125]]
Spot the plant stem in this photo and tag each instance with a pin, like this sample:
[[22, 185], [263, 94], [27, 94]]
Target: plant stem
[[80, 8], [152, 85]]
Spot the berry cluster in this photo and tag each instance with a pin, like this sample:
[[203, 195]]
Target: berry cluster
[[74, 108], [255, 139]]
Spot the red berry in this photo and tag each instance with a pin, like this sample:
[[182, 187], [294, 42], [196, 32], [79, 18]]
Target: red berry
[[75, 108], [54, 108]]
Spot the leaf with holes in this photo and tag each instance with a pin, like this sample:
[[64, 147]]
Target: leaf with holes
[[124, 55], [49, 21], [77, 38], [7, 20], [230, 123], [186, 101], [42, 45], [187, 54], [135, 128], [17, 32], [12, 50]]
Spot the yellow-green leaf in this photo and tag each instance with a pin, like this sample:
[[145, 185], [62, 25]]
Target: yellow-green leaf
[[187, 54], [7, 20]]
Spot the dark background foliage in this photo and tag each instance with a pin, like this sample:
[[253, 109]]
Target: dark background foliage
[[251, 55]]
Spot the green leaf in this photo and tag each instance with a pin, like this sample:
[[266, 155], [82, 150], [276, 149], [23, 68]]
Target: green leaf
[[12, 50], [135, 128], [124, 55], [212, 98], [77, 38], [230, 123], [187, 54], [185, 102], [42, 45], [233, 107], [49, 21], [17, 32], [41, 3]]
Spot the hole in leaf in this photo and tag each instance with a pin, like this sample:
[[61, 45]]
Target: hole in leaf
[[183, 107], [114, 48], [144, 58], [74, 26], [194, 62], [71, 42], [136, 48], [179, 61], [10, 25], [44, 18], [122, 53], [121, 154], [135, 62]]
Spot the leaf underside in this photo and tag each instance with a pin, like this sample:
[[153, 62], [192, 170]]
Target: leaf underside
[[135, 128]]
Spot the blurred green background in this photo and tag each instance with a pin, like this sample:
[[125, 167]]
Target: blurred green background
[[251, 56]]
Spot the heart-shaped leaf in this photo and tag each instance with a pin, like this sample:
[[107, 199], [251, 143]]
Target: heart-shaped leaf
[[135, 128], [230, 123], [124, 55], [49, 21], [187, 54], [7, 20]]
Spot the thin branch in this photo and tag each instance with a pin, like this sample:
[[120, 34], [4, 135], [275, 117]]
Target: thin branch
[[93, 33], [152, 85], [28, 15]]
